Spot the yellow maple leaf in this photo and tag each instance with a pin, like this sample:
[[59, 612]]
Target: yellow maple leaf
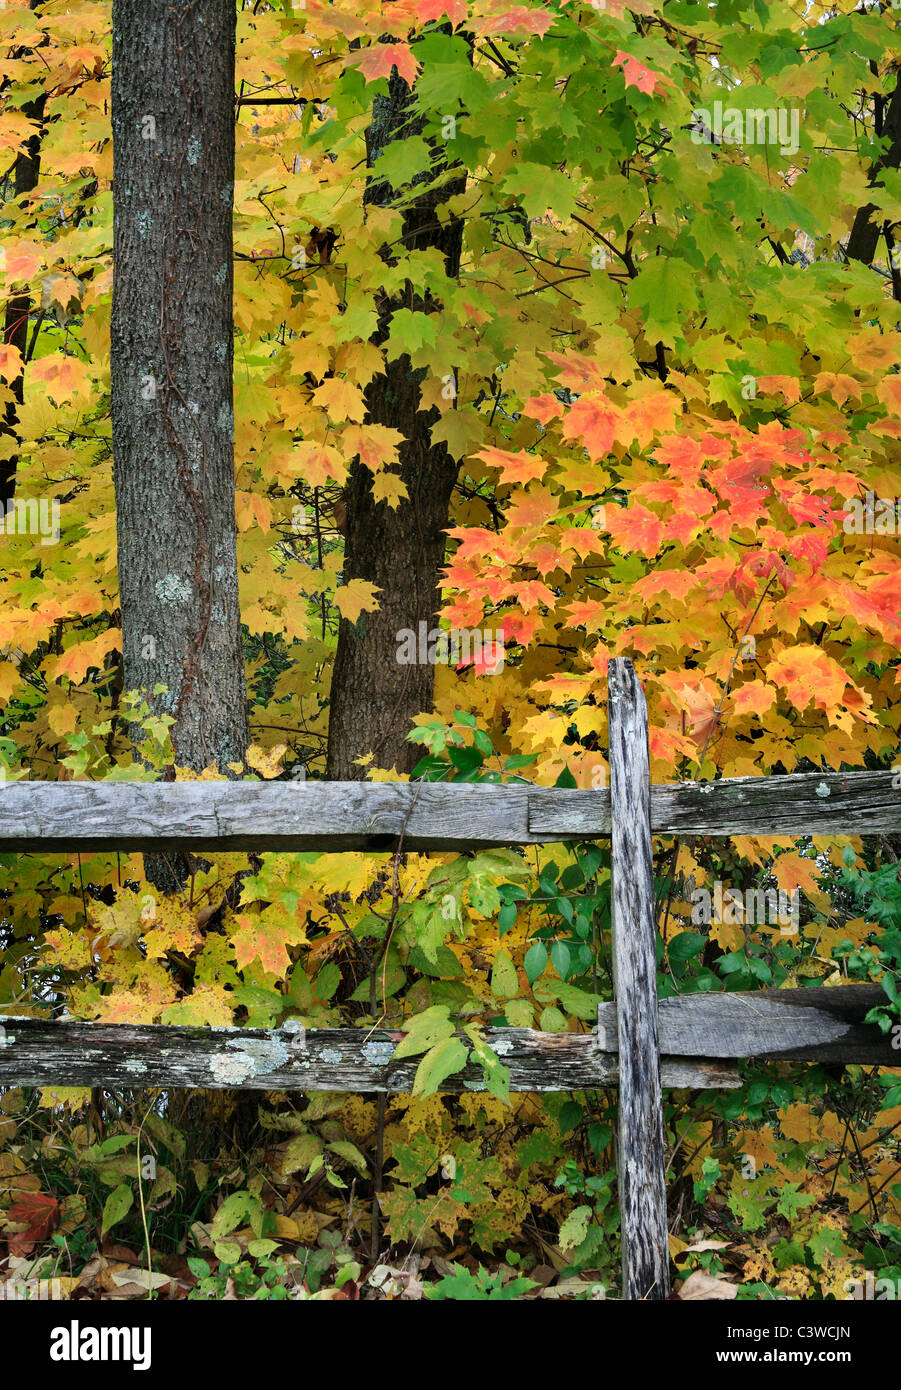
[[387, 487], [341, 399], [355, 598], [267, 764]]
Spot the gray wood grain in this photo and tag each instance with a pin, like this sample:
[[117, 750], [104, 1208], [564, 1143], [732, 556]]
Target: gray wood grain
[[701, 1035], [816, 803], [195, 816], [807, 1025], [41, 1052], [50, 817], [640, 1166]]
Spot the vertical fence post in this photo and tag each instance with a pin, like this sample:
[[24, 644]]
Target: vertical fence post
[[640, 1161]]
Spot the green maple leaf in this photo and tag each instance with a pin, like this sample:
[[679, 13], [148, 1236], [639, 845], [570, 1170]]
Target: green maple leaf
[[410, 332], [665, 290]]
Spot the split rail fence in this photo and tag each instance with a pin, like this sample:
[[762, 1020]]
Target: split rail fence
[[640, 1045]]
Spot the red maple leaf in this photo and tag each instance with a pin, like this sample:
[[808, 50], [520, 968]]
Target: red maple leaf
[[521, 17], [636, 74], [378, 60], [434, 9], [39, 1214]]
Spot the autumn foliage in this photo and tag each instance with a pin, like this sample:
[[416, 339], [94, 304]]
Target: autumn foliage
[[665, 383]]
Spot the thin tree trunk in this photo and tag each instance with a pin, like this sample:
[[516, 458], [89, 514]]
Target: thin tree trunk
[[865, 232], [373, 698], [171, 348]]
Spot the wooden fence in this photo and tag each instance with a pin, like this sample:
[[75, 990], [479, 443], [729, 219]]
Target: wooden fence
[[688, 1042]]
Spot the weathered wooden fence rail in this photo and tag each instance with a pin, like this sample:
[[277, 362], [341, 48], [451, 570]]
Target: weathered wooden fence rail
[[691, 1041], [45, 817]]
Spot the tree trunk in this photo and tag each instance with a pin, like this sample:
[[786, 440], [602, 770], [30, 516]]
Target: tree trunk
[[373, 698], [15, 328], [171, 350], [865, 232]]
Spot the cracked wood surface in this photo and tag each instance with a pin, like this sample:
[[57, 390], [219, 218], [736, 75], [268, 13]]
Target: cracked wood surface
[[47, 817]]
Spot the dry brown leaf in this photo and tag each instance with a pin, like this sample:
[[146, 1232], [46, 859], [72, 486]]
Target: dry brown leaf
[[704, 1286]]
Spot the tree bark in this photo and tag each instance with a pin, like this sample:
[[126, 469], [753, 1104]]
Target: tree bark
[[373, 698], [173, 131], [171, 351], [865, 232]]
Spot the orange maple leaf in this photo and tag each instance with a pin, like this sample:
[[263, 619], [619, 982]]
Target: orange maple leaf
[[636, 74], [635, 528], [10, 361], [514, 468], [754, 697], [266, 938], [316, 463], [543, 408], [807, 674], [593, 419], [64, 377], [379, 59], [341, 399]]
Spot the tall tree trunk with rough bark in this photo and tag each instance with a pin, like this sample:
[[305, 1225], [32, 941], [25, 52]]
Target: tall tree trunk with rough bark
[[174, 151], [373, 698]]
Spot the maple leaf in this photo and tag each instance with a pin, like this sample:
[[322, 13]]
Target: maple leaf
[[379, 59], [267, 763], [636, 74], [10, 361], [872, 349], [488, 658], [838, 385], [794, 870], [787, 386], [340, 399], [374, 444], [317, 463], [594, 420], [21, 260], [518, 19], [38, 1214], [543, 408], [456, 10], [77, 660], [388, 487], [635, 528], [63, 376], [754, 697], [173, 927], [355, 598], [208, 1005], [807, 674], [251, 508], [266, 938], [514, 468], [587, 613]]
